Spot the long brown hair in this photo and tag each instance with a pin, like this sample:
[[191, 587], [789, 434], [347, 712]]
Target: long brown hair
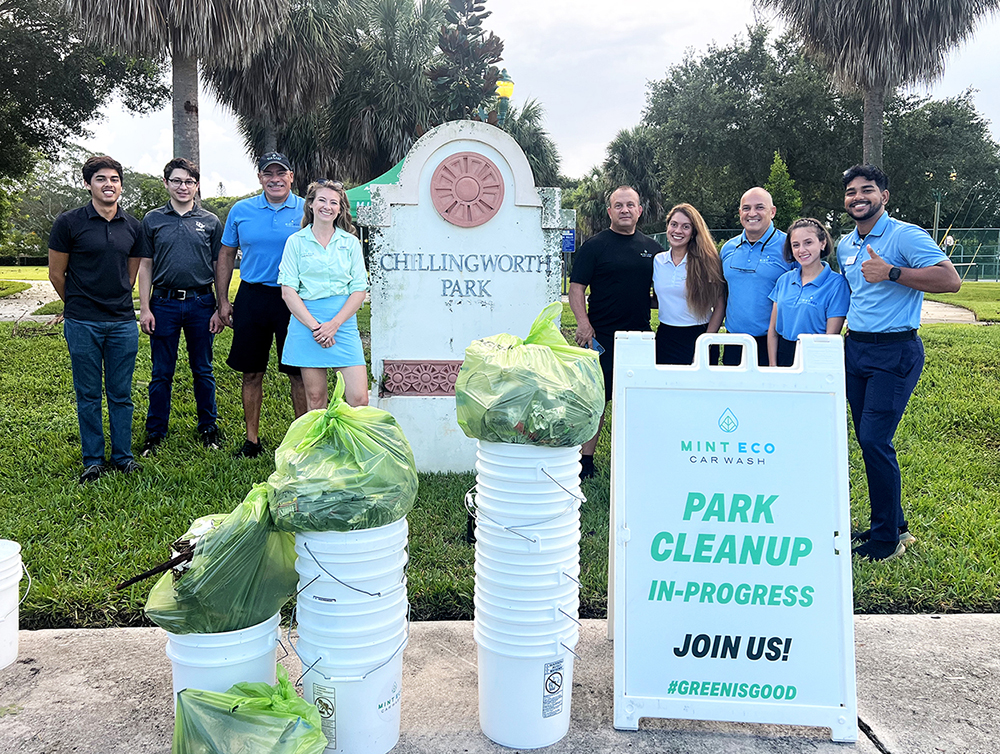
[[705, 283], [344, 219]]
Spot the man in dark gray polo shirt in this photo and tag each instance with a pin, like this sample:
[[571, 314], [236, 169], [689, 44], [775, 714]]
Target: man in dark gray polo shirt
[[93, 260], [180, 248]]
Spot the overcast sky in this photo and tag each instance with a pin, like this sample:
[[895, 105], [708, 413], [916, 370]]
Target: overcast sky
[[587, 62]]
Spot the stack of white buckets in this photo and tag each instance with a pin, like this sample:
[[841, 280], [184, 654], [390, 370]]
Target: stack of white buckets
[[527, 509], [10, 576], [352, 613]]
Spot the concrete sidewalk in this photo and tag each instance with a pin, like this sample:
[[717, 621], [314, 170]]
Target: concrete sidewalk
[[926, 683]]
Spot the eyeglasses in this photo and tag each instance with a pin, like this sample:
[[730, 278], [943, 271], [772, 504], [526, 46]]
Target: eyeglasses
[[186, 182], [327, 183]]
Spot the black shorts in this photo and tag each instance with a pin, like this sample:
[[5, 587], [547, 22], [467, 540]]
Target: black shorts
[[260, 317]]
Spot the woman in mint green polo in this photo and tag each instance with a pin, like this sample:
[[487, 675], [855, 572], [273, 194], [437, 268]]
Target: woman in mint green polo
[[323, 283], [810, 299]]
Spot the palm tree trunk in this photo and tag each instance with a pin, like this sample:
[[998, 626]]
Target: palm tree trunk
[[185, 95], [270, 136], [871, 141]]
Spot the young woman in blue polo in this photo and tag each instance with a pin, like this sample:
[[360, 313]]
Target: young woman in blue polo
[[323, 283], [810, 299]]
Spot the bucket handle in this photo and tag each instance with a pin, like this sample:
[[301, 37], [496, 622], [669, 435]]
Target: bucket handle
[[21, 601], [470, 506], [568, 649], [406, 638], [576, 621], [342, 583], [571, 578], [581, 498]]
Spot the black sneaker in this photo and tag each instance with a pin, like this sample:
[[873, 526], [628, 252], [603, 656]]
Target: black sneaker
[[211, 439], [92, 473], [250, 450], [876, 550], [152, 443], [128, 467], [586, 467]]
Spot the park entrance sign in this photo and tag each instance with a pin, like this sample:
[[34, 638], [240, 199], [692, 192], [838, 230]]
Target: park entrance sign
[[731, 593]]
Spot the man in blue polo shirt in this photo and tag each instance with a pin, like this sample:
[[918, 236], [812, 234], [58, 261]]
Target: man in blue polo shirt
[[259, 226], [94, 255], [889, 265], [752, 263]]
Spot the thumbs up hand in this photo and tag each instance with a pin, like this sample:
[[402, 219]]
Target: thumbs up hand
[[875, 269]]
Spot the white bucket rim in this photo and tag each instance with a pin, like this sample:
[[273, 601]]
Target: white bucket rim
[[529, 581], [316, 665], [9, 549], [346, 608], [549, 604], [519, 450], [529, 495], [183, 659], [556, 467], [557, 647], [520, 568], [259, 630], [492, 538], [562, 477], [390, 642], [316, 623], [365, 539], [507, 591]]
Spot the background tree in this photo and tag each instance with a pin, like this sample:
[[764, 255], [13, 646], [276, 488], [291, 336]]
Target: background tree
[[465, 78], [589, 199], [875, 46], [632, 161], [786, 198], [525, 127], [186, 30], [52, 83], [295, 74]]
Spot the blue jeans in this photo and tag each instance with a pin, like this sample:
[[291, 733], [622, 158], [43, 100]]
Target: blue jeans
[[103, 352], [192, 316], [880, 379]]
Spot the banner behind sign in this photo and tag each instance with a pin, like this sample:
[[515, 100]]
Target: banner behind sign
[[732, 585]]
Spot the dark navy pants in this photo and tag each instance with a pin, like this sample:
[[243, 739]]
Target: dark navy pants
[[172, 316], [880, 379]]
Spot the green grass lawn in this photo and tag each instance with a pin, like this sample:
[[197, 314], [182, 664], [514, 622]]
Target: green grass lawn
[[10, 287], [982, 298], [26, 272], [80, 541]]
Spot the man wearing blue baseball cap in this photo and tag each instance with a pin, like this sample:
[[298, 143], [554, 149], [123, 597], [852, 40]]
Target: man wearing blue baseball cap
[[259, 227]]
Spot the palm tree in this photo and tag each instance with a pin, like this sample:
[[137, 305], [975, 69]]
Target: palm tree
[[525, 126], [632, 161], [186, 30], [385, 99], [878, 45], [292, 76]]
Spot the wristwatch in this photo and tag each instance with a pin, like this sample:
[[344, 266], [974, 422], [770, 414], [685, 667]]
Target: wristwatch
[[894, 274]]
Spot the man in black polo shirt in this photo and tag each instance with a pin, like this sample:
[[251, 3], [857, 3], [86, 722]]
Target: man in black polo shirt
[[617, 264], [93, 260], [181, 248]]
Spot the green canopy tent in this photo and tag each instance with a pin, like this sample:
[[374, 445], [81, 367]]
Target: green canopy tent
[[362, 195]]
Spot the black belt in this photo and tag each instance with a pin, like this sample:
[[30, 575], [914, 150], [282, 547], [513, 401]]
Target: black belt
[[882, 337], [182, 295]]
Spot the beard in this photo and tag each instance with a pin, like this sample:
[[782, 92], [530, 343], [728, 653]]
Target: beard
[[873, 209]]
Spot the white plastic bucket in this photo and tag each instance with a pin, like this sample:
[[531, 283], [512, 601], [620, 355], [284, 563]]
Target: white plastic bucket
[[516, 514], [511, 450], [11, 572], [517, 563], [525, 646], [527, 541], [359, 711], [214, 662], [314, 598], [357, 652], [342, 545], [552, 622], [351, 580], [524, 703], [530, 579], [563, 474], [504, 591]]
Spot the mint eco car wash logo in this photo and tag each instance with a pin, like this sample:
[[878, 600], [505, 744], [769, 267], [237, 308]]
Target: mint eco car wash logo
[[728, 421]]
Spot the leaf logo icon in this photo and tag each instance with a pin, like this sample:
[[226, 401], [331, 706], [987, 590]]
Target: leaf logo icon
[[728, 421]]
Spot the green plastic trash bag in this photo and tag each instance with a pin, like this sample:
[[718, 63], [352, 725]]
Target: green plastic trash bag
[[242, 572], [536, 391], [250, 718], [342, 469]]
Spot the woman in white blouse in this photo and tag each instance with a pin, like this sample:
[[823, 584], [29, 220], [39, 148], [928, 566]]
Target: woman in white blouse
[[689, 286]]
